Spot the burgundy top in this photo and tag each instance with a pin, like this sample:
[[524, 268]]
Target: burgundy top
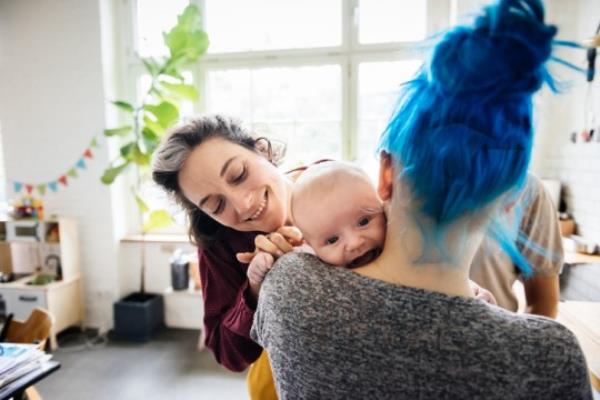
[[228, 304]]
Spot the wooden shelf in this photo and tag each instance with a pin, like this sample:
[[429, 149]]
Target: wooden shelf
[[579, 258]]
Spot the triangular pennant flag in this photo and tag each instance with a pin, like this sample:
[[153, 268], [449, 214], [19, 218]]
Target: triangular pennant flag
[[72, 173], [29, 188], [41, 188], [53, 186], [94, 142], [80, 164], [88, 153], [17, 186], [63, 180]]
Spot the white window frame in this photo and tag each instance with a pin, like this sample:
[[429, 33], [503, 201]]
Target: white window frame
[[349, 55]]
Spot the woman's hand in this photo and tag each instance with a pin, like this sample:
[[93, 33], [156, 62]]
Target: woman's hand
[[276, 243]]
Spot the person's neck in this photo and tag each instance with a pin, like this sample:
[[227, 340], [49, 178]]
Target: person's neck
[[404, 262]]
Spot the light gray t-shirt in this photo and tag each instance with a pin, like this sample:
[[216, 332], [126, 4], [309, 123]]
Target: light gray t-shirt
[[333, 334]]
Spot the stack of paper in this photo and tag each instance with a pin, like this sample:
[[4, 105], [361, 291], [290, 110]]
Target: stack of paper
[[18, 359]]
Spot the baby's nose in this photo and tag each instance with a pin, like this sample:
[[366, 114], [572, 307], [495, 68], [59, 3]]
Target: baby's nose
[[355, 243]]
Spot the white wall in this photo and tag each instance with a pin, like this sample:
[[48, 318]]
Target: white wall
[[51, 103], [577, 165]]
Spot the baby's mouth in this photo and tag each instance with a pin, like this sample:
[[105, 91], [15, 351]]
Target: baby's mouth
[[365, 258]]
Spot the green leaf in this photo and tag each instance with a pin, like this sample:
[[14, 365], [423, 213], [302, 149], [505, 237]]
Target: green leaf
[[140, 157], [196, 46], [157, 219], [111, 173], [153, 126], [150, 140], [182, 90], [141, 204], [122, 131], [123, 105], [172, 71], [151, 65], [187, 40], [165, 112], [127, 150]]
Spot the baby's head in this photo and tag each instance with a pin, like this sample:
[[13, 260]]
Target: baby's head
[[341, 217]]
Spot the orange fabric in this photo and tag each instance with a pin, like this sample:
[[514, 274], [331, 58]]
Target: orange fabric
[[260, 379]]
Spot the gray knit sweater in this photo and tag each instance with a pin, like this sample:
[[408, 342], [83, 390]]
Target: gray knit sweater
[[333, 334]]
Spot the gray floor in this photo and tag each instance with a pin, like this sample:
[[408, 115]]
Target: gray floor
[[168, 367]]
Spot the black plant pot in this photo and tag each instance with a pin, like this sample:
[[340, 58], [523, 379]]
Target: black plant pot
[[137, 316]]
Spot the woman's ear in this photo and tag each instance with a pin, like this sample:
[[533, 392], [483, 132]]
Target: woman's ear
[[263, 146], [386, 176]]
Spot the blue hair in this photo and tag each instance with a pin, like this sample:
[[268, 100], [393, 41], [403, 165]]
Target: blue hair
[[462, 129]]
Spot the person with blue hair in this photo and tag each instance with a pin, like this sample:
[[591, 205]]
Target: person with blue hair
[[454, 157]]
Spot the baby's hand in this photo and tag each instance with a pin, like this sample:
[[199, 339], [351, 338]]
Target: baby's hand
[[260, 265], [483, 294], [277, 243]]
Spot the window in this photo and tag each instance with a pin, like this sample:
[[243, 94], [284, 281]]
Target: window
[[320, 75]]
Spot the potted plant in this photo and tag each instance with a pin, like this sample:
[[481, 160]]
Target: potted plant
[[139, 314]]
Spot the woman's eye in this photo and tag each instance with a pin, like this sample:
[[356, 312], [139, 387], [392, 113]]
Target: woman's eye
[[240, 176], [332, 240], [219, 207], [364, 221]]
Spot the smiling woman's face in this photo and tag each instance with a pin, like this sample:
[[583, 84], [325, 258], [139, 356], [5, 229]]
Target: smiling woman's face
[[236, 186]]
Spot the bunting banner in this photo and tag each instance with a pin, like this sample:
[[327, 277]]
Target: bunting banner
[[53, 185]]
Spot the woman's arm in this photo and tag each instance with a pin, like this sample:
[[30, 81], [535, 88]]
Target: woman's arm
[[542, 295], [540, 225], [228, 308]]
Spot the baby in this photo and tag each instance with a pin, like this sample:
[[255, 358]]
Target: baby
[[341, 217]]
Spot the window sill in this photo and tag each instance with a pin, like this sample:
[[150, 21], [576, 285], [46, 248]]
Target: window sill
[[156, 238]]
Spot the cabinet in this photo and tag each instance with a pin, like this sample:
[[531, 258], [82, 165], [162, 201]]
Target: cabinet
[[50, 247]]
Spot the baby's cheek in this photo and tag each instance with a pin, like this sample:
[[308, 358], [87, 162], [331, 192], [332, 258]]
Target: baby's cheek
[[329, 256], [382, 228]]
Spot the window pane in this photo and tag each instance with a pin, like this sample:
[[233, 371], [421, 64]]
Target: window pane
[[466, 10], [300, 106], [235, 25], [379, 83], [383, 21], [153, 18]]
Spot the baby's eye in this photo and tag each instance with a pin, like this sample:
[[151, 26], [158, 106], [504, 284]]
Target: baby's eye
[[332, 240], [364, 221]]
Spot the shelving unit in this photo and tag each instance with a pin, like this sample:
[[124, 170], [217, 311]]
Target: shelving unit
[[52, 248]]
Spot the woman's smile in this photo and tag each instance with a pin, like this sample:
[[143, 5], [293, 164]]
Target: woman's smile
[[261, 209]]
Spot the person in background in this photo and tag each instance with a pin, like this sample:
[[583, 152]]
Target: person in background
[[541, 246]]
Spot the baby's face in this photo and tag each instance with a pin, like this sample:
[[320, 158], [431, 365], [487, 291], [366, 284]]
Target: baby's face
[[346, 226]]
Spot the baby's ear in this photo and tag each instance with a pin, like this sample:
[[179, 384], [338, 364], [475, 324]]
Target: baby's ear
[[386, 176]]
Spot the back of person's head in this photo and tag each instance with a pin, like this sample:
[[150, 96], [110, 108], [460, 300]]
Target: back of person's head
[[462, 131]]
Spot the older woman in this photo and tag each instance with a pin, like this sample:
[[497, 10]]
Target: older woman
[[455, 156]]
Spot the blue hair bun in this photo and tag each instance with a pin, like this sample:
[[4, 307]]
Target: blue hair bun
[[503, 53], [462, 129]]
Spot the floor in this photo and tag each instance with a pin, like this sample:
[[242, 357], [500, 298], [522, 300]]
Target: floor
[[168, 367]]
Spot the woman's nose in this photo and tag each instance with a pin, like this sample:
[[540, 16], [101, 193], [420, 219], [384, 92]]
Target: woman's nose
[[242, 202]]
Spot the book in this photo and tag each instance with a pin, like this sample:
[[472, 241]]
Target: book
[[18, 359]]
